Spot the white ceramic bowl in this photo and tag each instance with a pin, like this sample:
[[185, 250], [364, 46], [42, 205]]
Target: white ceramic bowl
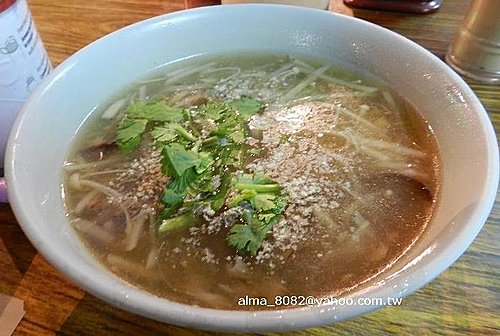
[[46, 126]]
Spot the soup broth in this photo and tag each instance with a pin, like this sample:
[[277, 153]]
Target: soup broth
[[251, 176]]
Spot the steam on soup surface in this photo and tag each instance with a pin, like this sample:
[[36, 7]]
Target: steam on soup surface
[[251, 175]]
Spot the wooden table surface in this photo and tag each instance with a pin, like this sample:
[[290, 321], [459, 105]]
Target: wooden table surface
[[463, 300]]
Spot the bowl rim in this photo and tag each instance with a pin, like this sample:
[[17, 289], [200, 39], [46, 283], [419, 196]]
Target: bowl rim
[[134, 300]]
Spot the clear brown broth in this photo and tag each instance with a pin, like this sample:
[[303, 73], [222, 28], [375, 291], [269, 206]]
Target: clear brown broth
[[336, 253]]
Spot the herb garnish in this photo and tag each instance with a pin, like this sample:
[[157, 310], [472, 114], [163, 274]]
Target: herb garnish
[[202, 149], [263, 202], [137, 116]]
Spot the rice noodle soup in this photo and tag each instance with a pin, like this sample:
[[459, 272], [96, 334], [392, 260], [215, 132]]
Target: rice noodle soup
[[252, 175]]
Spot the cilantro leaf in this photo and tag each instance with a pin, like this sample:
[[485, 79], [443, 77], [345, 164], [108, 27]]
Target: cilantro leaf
[[227, 119], [237, 137], [205, 160], [203, 184], [246, 238], [154, 111], [136, 119], [257, 178], [250, 236], [165, 133], [245, 195], [267, 204], [129, 133], [172, 198], [263, 202], [181, 184], [266, 217], [280, 204], [180, 159], [172, 201], [213, 111], [247, 106]]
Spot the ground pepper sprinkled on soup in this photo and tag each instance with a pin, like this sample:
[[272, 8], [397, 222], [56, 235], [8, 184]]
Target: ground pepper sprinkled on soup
[[219, 178]]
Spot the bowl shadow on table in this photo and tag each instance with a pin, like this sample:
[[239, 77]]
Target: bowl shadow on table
[[91, 316], [18, 247]]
